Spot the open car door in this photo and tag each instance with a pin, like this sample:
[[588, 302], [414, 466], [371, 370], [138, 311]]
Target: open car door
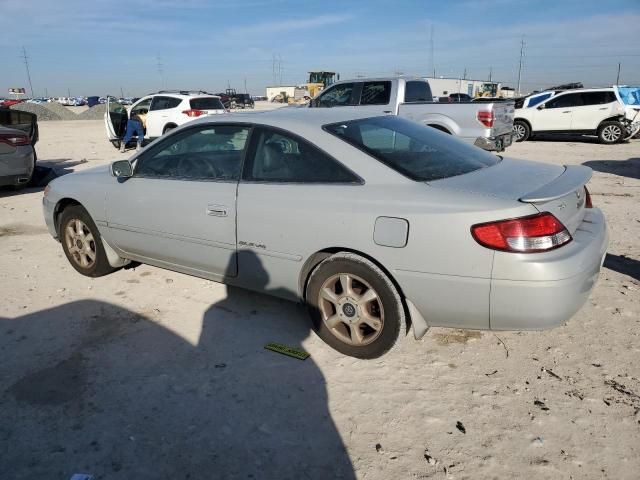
[[115, 121], [25, 121]]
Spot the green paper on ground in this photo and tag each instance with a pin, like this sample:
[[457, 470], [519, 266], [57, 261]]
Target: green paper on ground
[[289, 351]]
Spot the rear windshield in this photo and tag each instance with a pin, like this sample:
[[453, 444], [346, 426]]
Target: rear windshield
[[206, 103], [416, 151]]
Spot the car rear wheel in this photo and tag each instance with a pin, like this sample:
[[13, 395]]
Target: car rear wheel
[[610, 132], [82, 243], [354, 306], [521, 131]]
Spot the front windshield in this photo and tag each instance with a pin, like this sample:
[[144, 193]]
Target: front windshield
[[416, 151]]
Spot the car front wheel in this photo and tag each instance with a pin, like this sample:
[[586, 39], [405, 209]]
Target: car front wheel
[[610, 132], [82, 243], [521, 131], [354, 306]]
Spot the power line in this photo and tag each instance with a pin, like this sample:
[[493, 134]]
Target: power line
[[26, 64]]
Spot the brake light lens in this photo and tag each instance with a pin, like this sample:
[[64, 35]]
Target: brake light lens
[[587, 198], [486, 118], [534, 233], [194, 113], [14, 140]]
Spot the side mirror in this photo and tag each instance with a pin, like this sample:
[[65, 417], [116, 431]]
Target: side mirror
[[122, 169], [541, 107]]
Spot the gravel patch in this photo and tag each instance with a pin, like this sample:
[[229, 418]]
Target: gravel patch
[[94, 113], [46, 111]]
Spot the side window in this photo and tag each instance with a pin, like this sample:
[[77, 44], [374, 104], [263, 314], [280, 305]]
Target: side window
[[565, 101], [213, 152], [598, 98], [416, 91], [279, 157], [163, 103], [375, 93], [142, 107], [337, 96]]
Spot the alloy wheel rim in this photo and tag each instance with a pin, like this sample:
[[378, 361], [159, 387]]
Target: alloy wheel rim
[[611, 133], [519, 131], [351, 309], [80, 243]]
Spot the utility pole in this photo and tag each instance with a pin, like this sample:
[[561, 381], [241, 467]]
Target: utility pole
[[160, 67], [26, 64], [520, 66], [280, 68], [490, 73], [464, 75], [245, 85], [618, 77], [121, 93], [433, 61]]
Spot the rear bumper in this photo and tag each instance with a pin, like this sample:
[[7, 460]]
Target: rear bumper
[[526, 292], [494, 144], [553, 286], [17, 167]]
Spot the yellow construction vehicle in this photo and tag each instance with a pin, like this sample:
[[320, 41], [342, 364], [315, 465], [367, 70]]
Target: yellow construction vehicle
[[318, 81]]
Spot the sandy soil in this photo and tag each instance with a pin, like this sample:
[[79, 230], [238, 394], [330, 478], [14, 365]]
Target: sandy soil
[[147, 373]]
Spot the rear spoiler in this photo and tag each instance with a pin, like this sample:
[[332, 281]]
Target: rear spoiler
[[573, 177]]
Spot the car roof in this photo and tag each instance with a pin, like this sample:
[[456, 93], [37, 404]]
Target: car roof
[[580, 90], [182, 94], [290, 118]]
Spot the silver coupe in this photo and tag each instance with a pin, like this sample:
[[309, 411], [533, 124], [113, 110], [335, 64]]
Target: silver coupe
[[380, 225]]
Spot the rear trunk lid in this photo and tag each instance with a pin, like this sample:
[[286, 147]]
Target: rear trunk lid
[[549, 188], [24, 121]]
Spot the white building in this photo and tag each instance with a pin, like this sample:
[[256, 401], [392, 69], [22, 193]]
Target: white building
[[443, 87], [289, 90]]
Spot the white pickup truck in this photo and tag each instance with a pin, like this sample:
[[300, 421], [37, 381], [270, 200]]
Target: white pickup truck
[[486, 125]]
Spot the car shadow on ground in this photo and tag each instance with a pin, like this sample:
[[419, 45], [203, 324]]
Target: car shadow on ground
[[623, 264], [95, 388], [45, 171], [558, 137], [624, 168]]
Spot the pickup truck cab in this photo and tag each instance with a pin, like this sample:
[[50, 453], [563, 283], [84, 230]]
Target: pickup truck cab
[[487, 125], [586, 111]]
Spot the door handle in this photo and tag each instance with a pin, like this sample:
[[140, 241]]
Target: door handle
[[217, 210], [604, 108], [567, 111], [386, 111]]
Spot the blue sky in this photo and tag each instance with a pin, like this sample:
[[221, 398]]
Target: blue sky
[[100, 46]]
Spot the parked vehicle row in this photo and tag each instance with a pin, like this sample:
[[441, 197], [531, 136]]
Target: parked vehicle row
[[487, 125], [589, 111]]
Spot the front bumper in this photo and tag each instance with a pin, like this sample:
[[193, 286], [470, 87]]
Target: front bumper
[[48, 209], [549, 287], [494, 144]]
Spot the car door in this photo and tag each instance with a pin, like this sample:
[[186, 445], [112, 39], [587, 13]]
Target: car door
[[178, 210], [555, 113], [596, 106], [159, 114], [340, 95], [290, 190], [115, 119]]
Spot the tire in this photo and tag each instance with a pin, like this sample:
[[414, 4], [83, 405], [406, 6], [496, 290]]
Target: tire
[[168, 128], [116, 143], [364, 323], [79, 247], [611, 132], [521, 131]]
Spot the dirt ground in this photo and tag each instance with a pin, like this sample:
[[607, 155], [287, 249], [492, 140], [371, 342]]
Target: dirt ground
[[147, 373]]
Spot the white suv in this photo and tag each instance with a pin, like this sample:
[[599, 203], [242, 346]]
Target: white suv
[[588, 111], [160, 112]]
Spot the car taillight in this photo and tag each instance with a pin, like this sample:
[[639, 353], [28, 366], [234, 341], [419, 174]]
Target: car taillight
[[534, 233], [194, 113], [486, 118], [14, 140], [587, 199]]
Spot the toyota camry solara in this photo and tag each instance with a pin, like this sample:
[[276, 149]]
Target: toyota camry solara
[[379, 224]]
